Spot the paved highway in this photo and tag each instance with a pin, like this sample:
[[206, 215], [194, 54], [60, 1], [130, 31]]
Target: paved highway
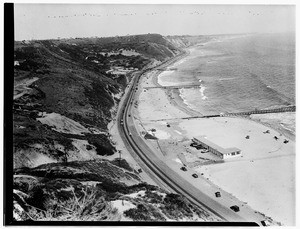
[[170, 178]]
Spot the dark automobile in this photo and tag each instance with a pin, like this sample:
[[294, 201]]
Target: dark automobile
[[218, 194], [263, 223], [183, 168], [235, 208], [195, 175]]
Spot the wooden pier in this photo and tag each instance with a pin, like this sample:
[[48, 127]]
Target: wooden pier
[[263, 111], [245, 113], [175, 87]]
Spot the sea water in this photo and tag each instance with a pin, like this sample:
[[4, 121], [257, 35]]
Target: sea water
[[238, 73]]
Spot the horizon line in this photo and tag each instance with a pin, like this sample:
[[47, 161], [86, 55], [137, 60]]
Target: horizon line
[[187, 35]]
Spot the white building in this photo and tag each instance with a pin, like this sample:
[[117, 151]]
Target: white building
[[217, 150]]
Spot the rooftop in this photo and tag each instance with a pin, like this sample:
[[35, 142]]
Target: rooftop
[[215, 146]]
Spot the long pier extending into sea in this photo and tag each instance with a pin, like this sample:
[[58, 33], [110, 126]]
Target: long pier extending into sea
[[256, 111], [263, 111], [175, 87]]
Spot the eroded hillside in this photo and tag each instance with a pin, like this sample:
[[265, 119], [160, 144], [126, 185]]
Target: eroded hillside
[[95, 191], [65, 94]]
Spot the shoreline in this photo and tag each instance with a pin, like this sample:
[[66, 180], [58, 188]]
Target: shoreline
[[174, 94], [176, 100], [288, 134], [166, 104]]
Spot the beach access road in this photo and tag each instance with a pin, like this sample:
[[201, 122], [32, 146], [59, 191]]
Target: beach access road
[[136, 145]]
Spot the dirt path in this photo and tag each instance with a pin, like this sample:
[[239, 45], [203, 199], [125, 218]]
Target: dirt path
[[22, 87]]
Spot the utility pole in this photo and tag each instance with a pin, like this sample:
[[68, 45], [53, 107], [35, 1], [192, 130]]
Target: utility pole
[[120, 153]]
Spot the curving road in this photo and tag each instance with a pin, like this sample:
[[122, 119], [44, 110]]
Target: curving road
[[170, 178]]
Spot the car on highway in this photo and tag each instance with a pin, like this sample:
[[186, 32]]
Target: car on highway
[[183, 168], [195, 175], [218, 194], [265, 223], [235, 208]]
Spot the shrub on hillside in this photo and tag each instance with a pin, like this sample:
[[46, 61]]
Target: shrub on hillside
[[91, 206], [138, 214]]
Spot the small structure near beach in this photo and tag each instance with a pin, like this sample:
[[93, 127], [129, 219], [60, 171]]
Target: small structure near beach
[[215, 149]]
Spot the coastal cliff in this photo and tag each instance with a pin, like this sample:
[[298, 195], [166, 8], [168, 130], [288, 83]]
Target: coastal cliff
[[66, 92]]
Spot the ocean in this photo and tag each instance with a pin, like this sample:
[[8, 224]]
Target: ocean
[[238, 73]]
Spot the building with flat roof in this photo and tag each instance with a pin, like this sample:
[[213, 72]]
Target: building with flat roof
[[217, 150]]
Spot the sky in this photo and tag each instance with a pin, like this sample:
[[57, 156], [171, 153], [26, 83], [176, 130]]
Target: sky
[[48, 21]]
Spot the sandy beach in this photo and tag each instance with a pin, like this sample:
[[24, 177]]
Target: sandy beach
[[266, 164], [283, 122]]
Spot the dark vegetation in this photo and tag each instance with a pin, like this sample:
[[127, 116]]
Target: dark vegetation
[[102, 144], [122, 163], [49, 190], [73, 81], [140, 213], [31, 59]]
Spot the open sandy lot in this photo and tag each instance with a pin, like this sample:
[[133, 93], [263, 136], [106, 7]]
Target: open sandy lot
[[266, 164]]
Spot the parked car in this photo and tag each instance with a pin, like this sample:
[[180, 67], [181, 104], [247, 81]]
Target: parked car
[[183, 168], [235, 208], [195, 175], [265, 223], [218, 194]]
